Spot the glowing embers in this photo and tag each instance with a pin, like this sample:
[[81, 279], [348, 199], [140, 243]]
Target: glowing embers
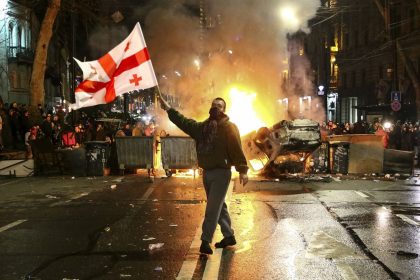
[[186, 173], [243, 112]]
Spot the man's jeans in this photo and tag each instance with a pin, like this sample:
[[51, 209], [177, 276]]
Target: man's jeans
[[216, 183]]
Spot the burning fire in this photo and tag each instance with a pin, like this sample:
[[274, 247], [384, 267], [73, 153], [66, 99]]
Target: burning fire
[[243, 112]]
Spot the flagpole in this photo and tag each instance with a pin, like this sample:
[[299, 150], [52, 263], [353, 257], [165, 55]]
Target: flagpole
[[153, 70]]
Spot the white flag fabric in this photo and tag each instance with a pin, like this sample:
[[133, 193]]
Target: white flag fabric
[[125, 68]]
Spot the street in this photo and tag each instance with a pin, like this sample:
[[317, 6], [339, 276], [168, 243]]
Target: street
[[106, 228]]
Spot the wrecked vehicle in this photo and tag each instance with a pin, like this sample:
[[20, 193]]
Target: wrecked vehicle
[[282, 148]]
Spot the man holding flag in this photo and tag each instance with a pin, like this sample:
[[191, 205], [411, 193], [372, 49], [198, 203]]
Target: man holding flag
[[128, 67], [218, 146]]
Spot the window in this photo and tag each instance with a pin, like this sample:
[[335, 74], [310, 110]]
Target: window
[[10, 34], [352, 109], [19, 37]]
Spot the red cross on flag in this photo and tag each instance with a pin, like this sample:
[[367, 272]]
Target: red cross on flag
[[125, 68]]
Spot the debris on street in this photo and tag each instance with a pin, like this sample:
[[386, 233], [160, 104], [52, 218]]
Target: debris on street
[[149, 239], [407, 254], [155, 246]]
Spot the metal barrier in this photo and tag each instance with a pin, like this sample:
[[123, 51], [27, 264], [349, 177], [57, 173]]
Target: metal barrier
[[136, 152], [396, 161], [178, 152]]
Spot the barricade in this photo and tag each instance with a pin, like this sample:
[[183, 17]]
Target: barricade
[[136, 152], [396, 161], [178, 152]]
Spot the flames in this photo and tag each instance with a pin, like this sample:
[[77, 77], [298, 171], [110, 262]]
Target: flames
[[243, 111]]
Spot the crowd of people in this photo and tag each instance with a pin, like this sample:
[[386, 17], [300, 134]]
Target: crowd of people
[[21, 125], [399, 135]]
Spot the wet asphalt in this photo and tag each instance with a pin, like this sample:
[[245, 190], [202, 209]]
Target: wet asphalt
[[103, 228]]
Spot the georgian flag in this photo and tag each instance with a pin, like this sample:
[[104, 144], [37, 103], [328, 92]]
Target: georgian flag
[[125, 68]]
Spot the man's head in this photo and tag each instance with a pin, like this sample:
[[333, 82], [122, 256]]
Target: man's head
[[219, 103]]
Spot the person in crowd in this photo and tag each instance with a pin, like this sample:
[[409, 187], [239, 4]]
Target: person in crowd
[[359, 128], [30, 135], [40, 109], [398, 132], [381, 132], [25, 123], [335, 129], [89, 132], [60, 115], [57, 130], [346, 128], [417, 144], [120, 133], [15, 124], [127, 129], [150, 129], [138, 130], [100, 134], [79, 134], [407, 138], [324, 131], [218, 148], [47, 127], [392, 137]]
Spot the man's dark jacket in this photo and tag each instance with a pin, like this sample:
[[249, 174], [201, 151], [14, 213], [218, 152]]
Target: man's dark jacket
[[227, 149]]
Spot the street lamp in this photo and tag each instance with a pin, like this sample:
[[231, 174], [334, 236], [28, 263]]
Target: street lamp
[[289, 17]]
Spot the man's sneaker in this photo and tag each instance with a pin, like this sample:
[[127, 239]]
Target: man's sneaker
[[227, 241], [205, 248]]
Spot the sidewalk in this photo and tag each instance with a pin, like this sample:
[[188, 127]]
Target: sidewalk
[[12, 154]]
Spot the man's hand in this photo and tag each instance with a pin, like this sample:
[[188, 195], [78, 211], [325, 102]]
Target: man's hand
[[243, 178], [163, 103]]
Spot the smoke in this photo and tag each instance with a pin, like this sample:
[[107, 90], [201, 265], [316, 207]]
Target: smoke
[[201, 49], [105, 38]]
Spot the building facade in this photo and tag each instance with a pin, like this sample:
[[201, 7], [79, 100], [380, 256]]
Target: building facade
[[366, 56], [17, 28]]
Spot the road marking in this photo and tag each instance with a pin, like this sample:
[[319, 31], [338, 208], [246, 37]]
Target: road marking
[[77, 196], [9, 226], [407, 219], [188, 267], [361, 194], [347, 272], [146, 195], [211, 271], [13, 181]]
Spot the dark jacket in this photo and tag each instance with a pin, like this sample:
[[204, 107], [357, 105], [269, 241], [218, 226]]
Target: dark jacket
[[227, 149]]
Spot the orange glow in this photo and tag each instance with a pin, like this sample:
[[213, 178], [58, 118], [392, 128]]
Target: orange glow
[[243, 111], [185, 174]]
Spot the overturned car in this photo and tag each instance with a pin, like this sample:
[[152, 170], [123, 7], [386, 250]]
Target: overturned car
[[282, 148]]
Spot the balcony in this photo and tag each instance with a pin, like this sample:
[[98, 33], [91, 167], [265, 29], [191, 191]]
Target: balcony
[[20, 55]]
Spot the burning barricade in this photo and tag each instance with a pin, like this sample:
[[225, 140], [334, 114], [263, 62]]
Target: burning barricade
[[283, 148]]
